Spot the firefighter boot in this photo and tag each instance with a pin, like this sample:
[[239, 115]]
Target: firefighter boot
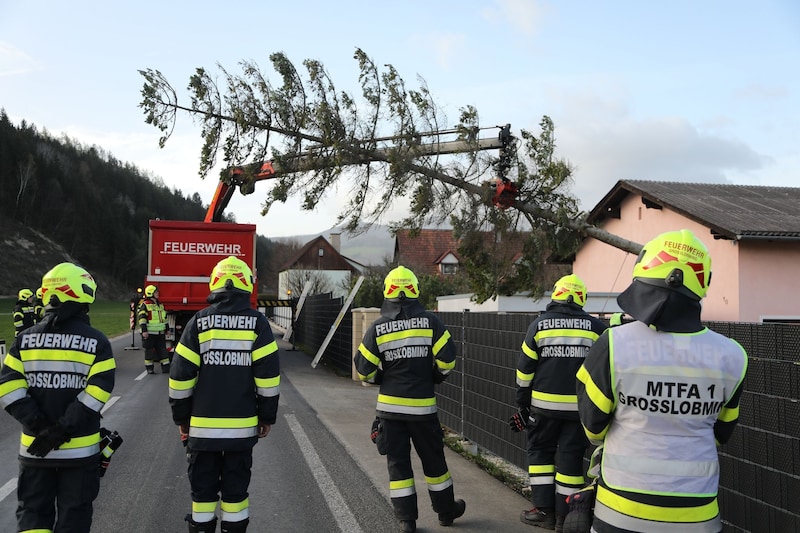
[[234, 527], [201, 527], [408, 526], [544, 518], [165, 368], [446, 519], [150, 369]]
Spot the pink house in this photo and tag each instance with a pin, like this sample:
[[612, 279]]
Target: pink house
[[752, 233]]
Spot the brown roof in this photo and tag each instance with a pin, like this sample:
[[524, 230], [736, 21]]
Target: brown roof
[[731, 211], [308, 258], [423, 252]]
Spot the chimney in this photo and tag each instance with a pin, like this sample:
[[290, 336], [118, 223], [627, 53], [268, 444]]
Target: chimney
[[336, 241]]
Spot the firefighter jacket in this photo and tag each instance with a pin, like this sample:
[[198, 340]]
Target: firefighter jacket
[[24, 316], [152, 316], [225, 378], [659, 400], [553, 350], [59, 371], [407, 350]]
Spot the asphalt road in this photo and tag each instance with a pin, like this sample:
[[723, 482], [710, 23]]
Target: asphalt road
[[303, 479]]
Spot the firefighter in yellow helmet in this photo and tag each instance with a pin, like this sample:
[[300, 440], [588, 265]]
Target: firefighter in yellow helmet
[[659, 393], [407, 351], [57, 376], [554, 348], [153, 323], [38, 305], [24, 312], [223, 390]]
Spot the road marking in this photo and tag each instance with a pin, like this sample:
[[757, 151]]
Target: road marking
[[140, 376], [108, 404], [341, 512], [8, 488]]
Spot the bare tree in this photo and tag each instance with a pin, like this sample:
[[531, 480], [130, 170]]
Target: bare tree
[[297, 280], [378, 144]]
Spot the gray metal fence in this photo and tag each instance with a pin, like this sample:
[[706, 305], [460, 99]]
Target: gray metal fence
[[760, 466]]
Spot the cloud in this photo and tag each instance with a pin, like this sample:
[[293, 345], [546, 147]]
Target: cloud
[[524, 15], [14, 62], [663, 149]]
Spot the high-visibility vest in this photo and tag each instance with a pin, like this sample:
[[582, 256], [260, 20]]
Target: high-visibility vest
[[670, 389], [152, 315]]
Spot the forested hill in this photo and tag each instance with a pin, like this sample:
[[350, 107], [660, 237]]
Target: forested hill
[[63, 201]]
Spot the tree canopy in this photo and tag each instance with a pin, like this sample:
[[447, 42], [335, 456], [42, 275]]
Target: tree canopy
[[377, 146]]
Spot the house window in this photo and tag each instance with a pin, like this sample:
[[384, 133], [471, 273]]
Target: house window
[[448, 268]]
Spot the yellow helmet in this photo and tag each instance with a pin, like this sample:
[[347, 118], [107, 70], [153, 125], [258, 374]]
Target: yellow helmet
[[570, 289], [24, 294], [231, 273], [400, 281], [150, 290], [68, 282], [39, 293], [677, 260]]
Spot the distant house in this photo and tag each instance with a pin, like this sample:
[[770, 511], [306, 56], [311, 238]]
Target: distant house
[[435, 252], [430, 251], [752, 233], [320, 261]]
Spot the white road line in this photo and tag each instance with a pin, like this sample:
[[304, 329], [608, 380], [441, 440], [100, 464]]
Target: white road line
[[140, 376], [341, 512], [108, 404], [8, 488]]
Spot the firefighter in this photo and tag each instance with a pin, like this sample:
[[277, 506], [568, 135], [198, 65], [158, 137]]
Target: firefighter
[[223, 390], [38, 306], [554, 348], [153, 323], [24, 313], [660, 393], [407, 351], [57, 376]]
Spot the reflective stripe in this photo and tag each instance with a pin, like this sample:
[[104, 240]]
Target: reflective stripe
[[236, 511], [441, 343], [620, 520], [369, 356], [178, 394], [90, 402], [407, 341], [233, 345], [40, 365], [75, 448], [402, 488], [530, 352], [563, 338], [13, 395], [222, 433], [555, 402], [438, 484], [660, 467], [410, 406], [203, 511]]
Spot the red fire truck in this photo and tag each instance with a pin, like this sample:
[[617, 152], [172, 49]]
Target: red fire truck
[[180, 258]]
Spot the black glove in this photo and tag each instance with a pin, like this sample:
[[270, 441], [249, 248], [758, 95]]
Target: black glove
[[438, 377], [49, 439], [376, 429], [519, 420]]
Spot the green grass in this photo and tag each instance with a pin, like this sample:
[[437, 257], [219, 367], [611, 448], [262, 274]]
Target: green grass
[[110, 317]]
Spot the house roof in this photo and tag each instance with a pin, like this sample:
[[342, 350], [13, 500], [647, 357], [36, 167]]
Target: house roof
[[736, 212], [425, 250], [307, 258]]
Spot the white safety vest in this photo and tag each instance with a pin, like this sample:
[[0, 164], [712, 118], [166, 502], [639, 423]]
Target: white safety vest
[[670, 388]]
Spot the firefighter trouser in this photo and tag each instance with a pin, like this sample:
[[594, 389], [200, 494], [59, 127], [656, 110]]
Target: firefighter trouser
[[554, 476], [155, 349], [212, 474], [428, 441], [57, 499]]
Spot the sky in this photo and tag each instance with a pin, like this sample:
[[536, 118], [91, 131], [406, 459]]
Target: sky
[[676, 90]]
